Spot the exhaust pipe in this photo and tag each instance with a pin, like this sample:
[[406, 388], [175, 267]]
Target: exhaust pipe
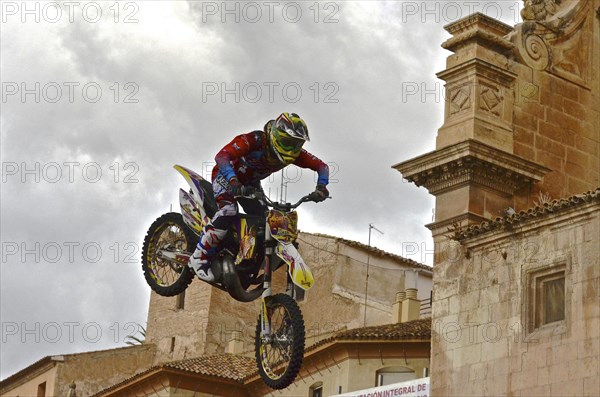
[[231, 280]]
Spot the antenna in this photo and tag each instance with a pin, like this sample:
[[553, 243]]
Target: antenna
[[281, 187], [371, 226]]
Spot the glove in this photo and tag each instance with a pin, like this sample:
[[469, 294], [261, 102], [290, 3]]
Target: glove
[[237, 189], [320, 194]]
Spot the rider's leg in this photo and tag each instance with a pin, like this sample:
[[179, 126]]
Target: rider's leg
[[213, 233]]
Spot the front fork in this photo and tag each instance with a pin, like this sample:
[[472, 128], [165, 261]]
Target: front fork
[[270, 261], [265, 326]]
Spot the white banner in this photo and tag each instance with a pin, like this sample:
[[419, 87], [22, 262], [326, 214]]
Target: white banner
[[411, 388]]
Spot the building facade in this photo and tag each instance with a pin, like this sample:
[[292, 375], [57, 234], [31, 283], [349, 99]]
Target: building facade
[[346, 361], [516, 304]]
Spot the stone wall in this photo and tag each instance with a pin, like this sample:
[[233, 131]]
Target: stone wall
[[484, 340], [95, 371], [188, 326], [557, 101]]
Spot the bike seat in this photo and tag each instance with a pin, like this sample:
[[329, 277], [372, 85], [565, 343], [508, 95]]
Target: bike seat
[[210, 205]]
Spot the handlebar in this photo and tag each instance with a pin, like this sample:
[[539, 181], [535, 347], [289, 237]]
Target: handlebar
[[283, 206]]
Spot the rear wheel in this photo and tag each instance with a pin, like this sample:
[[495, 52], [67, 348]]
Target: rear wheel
[[279, 355], [169, 232]]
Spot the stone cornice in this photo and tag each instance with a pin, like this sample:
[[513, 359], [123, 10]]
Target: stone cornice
[[447, 223], [480, 36], [470, 162], [559, 212], [479, 66], [480, 20], [479, 28]]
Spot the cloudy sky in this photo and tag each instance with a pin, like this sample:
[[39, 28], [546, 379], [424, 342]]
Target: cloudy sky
[[100, 99]]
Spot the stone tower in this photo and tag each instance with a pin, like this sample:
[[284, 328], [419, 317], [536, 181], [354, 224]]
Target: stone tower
[[201, 321]]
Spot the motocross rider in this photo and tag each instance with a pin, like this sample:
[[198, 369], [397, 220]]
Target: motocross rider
[[241, 165]]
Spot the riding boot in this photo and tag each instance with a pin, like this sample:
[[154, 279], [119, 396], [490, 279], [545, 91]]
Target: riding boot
[[205, 250]]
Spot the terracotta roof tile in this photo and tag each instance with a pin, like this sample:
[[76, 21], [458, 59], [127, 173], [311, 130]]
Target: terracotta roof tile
[[228, 366], [539, 211], [225, 366], [416, 329]]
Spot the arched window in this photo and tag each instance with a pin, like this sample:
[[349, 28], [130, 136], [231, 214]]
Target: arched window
[[316, 390], [389, 375]]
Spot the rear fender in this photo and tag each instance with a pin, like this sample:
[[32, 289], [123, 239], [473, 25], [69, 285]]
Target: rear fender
[[299, 271], [193, 180]]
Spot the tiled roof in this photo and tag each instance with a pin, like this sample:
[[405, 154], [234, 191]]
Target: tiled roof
[[225, 366], [539, 211], [374, 250], [228, 366], [240, 368], [416, 329]]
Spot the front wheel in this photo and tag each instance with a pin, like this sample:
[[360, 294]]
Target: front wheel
[[279, 355], [170, 233]]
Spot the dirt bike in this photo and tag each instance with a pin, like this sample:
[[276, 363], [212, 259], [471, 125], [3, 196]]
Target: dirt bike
[[260, 242]]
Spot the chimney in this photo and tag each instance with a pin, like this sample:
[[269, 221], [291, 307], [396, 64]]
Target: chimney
[[411, 306], [407, 307], [397, 307], [236, 344]]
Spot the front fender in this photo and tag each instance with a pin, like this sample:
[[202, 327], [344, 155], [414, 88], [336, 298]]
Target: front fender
[[299, 271]]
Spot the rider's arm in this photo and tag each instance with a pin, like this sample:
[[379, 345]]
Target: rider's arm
[[240, 146], [307, 160]]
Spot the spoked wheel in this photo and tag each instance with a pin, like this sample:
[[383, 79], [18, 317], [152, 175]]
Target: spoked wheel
[[279, 355], [169, 233]]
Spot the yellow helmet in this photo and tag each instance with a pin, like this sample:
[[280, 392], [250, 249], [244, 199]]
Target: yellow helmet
[[286, 135]]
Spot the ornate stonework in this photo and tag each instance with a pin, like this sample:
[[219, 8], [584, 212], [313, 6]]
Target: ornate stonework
[[556, 37], [460, 99], [479, 87], [491, 97], [471, 163], [539, 10]]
